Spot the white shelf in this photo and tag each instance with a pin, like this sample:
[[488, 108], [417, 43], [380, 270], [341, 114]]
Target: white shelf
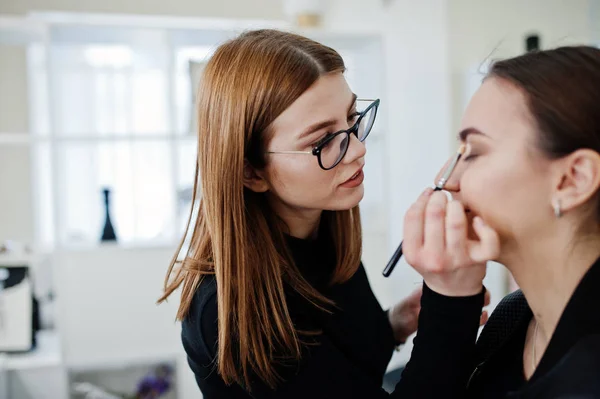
[[46, 354]]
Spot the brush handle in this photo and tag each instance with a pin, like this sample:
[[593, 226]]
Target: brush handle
[[389, 268]]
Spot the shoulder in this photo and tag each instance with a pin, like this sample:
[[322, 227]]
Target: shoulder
[[577, 375], [199, 330], [505, 318], [511, 308]]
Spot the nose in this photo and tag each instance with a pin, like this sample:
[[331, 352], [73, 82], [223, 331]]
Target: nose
[[453, 183], [356, 150]]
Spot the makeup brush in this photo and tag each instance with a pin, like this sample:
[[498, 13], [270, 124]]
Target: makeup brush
[[389, 268]]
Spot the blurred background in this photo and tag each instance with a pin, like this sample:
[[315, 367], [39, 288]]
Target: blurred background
[[97, 151]]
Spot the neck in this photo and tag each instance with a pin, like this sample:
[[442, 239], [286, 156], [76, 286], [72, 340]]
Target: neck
[[548, 272], [302, 223]]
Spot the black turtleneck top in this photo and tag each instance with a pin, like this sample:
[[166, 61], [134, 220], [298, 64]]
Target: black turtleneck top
[[351, 354]]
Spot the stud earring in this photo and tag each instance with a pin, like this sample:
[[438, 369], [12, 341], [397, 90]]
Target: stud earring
[[557, 209]]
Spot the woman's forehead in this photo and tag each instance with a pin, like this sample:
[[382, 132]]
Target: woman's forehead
[[328, 98], [498, 109]]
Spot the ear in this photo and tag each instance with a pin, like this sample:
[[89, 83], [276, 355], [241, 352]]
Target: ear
[[253, 179], [579, 179]]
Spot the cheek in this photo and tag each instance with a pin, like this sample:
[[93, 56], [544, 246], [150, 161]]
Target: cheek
[[480, 190], [300, 181], [507, 195]]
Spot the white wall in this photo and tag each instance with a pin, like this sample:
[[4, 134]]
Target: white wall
[[595, 20], [477, 29], [16, 219], [13, 96], [15, 194]]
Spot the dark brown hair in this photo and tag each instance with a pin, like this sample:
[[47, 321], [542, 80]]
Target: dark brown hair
[[247, 83], [562, 89]]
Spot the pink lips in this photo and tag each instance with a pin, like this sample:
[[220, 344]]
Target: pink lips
[[355, 180]]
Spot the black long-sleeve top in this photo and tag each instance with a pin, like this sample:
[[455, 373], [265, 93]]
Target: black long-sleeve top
[[356, 344]]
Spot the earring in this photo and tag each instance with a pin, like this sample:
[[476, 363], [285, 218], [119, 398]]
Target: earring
[[557, 209]]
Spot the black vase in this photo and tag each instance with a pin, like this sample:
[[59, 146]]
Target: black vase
[[108, 234]]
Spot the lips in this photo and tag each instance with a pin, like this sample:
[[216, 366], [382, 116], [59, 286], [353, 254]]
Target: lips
[[354, 176], [355, 180]]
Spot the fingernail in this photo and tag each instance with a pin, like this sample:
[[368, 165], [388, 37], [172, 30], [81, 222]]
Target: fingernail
[[479, 221], [428, 192]]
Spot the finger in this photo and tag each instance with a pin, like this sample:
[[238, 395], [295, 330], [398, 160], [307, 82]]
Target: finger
[[414, 299], [487, 299], [488, 246], [484, 318], [413, 224], [417, 293], [456, 233], [435, 216]]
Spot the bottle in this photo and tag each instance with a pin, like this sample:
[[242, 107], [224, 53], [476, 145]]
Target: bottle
[[108, 234]]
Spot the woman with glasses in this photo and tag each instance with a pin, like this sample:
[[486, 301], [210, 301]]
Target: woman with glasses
[[275, 302]]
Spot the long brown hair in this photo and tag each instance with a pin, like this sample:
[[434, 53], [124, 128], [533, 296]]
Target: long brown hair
[[562, 89], [247, 83]]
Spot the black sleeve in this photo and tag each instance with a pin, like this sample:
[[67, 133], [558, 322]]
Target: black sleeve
[[439, 366], [442, 357]]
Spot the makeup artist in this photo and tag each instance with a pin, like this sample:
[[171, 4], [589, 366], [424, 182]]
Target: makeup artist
[[275, 302], [532, 172]]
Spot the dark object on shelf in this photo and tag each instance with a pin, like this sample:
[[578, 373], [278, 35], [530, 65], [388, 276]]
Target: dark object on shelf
[[532, 43], [108, 234]]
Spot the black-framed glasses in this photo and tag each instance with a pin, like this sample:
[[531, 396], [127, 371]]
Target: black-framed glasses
[[332, 148]]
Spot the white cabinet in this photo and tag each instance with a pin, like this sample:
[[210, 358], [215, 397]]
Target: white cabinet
[[39, 374]]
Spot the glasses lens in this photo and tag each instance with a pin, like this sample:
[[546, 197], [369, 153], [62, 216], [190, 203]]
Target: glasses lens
[[366, 124], [334, 150]]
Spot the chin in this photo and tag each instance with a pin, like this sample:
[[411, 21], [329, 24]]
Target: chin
[[348, 200]]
